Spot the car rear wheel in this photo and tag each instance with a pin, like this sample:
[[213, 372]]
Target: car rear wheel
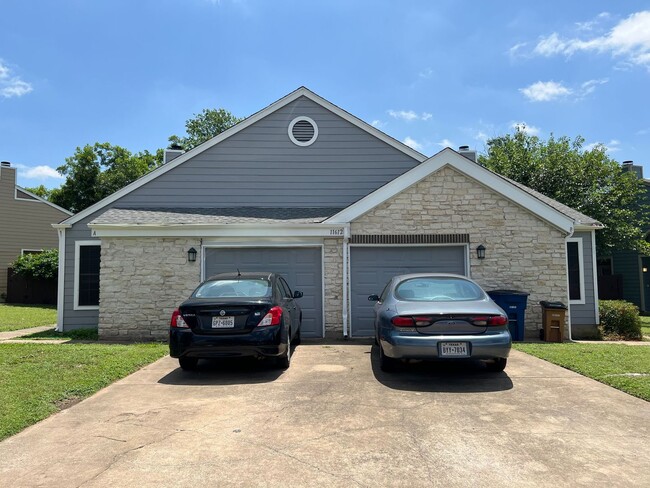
[[386, 363], [188, 364], [297, 338], [497, 364], [285, 360]]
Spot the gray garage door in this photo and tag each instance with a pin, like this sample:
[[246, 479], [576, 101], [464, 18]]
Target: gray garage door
[[300, 266], [372, 267]]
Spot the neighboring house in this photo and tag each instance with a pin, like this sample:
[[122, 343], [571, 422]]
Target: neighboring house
[[338, 207], [25, 220], [625, 275]]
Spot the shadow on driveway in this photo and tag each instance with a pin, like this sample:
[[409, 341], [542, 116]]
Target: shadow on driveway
[[452, 376], [226, 371]]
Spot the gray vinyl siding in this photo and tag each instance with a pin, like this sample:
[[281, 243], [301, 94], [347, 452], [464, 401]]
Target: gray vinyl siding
[[76, 319], [260, 166], [24, 223], [626, 263], [585, 315]]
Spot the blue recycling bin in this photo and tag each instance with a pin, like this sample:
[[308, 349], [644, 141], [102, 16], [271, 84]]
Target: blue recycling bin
[[513, 303]]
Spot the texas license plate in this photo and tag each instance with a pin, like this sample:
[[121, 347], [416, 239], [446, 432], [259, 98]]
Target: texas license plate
[[227, 322], [454, 349]]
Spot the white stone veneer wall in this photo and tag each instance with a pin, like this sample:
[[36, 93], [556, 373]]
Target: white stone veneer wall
[[523, 252], [142, 281], [333, 266]]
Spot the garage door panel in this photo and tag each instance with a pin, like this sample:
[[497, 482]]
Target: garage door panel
[[301, 267], [371, 268]]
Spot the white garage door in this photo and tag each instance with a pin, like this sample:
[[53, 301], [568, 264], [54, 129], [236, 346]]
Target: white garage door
[[372, 267], [300, 266]]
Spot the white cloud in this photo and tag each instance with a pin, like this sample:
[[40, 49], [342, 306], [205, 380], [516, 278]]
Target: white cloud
[[481, 136], [446, 143], [378, 124], [409, 115], [412, 143], [39, 172], [629, 39], [12, 86], [589, 86], [611, 146], [426, 73], [545, 91], [594, 23], [531, 130], [515, 50]]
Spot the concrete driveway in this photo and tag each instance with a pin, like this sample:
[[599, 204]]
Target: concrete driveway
[[333, 419]]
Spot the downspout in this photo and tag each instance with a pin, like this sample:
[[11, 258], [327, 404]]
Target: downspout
[[346, 237]]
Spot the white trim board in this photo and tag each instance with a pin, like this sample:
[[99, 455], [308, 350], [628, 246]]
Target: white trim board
[[300, 92], [77, 245], [335, 231], [60, 301], [449, 157]]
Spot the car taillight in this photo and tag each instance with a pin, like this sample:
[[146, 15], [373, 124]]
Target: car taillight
[[272, 317], [494, 320], [178, 321], [403, 321], [422, 321]]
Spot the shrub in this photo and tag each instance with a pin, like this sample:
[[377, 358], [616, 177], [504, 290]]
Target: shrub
[[619, 320], [42, 265]]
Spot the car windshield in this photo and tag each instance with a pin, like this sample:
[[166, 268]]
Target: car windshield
[[248, 288], [427, 289]]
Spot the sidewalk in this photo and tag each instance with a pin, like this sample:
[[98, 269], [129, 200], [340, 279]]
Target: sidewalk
[[12, 334]]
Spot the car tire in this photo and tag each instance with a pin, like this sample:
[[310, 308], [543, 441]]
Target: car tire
[[284, 361], [188, 364], [387, 364], [297, 338], [497, 365]]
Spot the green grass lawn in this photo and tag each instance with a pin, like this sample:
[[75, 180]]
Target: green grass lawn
[[645, 326], [13, 317], [613, 364], [75, 335], [40, 379]]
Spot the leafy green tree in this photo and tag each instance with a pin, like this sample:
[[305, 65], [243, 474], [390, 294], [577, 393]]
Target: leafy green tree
[[584, 179], [96, 171], [40, 191], [204, 126], [43, 265]]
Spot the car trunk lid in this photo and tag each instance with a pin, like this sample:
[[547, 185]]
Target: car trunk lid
[[224, 318], [449, 319]]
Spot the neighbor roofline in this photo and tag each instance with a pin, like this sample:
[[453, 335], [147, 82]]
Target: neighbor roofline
[[300, 92], [449, 157], [42, 200]]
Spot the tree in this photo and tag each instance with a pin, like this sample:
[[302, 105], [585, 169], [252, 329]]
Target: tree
[[586, 180], [204, 126], [42, 265], [96, 171], [40, 191]]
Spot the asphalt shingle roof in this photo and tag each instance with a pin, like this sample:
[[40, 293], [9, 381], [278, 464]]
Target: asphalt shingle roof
[[230, 215]]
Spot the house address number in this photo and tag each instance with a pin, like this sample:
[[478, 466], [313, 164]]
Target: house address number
[[336, 232]]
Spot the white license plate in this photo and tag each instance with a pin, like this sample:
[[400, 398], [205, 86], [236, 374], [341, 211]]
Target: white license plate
[[454, 349], [227, 322]]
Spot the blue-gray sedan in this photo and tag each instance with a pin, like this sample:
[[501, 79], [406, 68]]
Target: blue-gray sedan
[[439, 316]]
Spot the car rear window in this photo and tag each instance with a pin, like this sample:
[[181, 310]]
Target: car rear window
[[438, 290], [247, 288]]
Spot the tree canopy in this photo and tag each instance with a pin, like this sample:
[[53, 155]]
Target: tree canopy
[[94, 172], [587, 180], [204, 126]]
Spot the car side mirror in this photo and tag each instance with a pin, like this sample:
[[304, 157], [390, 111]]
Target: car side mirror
[[373, 298], [297, 294]]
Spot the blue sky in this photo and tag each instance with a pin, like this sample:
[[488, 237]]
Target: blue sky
[[431, 74]]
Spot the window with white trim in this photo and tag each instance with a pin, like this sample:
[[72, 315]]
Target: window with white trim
[[575, 270], [86, 275]]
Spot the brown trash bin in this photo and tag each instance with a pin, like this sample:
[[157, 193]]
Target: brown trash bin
[[553, 318]]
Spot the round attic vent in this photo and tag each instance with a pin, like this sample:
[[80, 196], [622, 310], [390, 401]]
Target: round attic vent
[[303, 131]]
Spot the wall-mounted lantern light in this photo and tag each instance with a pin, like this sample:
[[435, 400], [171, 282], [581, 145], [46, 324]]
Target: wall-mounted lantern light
[[480, 251], [191, 255]]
